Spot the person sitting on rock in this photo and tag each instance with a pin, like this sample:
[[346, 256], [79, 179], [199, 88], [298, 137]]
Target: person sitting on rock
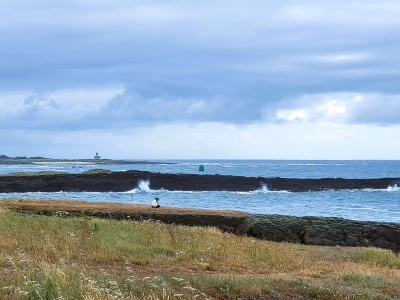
[[155, 203]]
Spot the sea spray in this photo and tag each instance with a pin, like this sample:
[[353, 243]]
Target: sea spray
[[393, 188], [262, 190], [143, 186]]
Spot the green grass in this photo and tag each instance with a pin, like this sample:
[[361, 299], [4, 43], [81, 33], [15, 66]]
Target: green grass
[[54, 257], [41, 173], [97, 171], [378, 257]]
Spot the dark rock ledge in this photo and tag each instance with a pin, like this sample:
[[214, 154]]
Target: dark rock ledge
[[304, 230], [125, 181]]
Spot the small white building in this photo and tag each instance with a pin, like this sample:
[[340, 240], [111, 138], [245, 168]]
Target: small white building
[[97, 156]]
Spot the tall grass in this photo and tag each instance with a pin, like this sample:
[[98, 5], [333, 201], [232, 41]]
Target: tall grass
[[45, 257]]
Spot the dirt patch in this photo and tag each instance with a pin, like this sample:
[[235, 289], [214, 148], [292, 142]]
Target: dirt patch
[[74, 205]]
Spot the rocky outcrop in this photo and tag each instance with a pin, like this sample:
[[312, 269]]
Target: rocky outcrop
[[229, 223], [304, 230], [325, 231], [125, 181]]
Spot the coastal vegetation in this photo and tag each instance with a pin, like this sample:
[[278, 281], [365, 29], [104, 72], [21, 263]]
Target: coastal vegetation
[[40, 173], [58, 256], [43, 173], [24, 160]]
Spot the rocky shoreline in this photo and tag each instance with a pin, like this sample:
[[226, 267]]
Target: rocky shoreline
[[304, 230], [125, 181], [322, 231]]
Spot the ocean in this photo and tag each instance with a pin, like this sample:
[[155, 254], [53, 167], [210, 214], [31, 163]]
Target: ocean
[[366, 204]]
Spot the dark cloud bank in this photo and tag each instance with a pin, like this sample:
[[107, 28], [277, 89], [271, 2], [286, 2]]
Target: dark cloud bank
[[229, 62]]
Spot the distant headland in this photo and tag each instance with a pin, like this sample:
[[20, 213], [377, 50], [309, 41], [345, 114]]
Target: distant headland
[[24, 160]]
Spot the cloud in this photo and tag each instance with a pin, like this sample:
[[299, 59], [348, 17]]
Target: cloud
[[342, 108], [223, 48], [94, 66], [132, 109], [375, 109], [39, 105], [53, 110], [116, 107]]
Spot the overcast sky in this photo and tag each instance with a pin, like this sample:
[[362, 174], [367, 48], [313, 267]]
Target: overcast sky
[[200, 79]]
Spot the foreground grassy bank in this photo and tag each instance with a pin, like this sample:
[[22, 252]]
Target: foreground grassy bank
[[55, 257]]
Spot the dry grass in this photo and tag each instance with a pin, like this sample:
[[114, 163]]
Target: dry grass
[[73, 205], [34, 173], [80, 258]]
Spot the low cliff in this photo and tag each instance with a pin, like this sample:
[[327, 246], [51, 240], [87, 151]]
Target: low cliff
[[304, 230], [125, 181], [325, 231]]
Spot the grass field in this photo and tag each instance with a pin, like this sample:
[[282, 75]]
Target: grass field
[[59, 257]]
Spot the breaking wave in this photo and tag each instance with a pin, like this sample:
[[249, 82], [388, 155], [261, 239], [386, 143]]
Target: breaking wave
[[263, 190], [394, 188], [142, 187], [390, 188]]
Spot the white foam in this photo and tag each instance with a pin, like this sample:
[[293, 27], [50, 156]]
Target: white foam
[[390, 188], [186, 192], [263, 190], [394, 188], [315, 164], [143, 186]]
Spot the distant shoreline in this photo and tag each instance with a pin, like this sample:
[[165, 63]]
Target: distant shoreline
[[5, 160], [64, 162]]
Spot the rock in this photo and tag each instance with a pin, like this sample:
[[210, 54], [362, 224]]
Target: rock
[[125, 181], [325, 231], [275, 228], [304, 230]]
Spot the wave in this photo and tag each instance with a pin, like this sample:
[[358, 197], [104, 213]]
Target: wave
[[390, 188], [188, 192], [263, 190], [201, 163], [315, 164], [142, 187], [394, 188]]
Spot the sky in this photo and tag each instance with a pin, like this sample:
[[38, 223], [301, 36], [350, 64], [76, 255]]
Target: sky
[[200, 79]]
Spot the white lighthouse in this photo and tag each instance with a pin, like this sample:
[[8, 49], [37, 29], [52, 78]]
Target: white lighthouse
[[97, 156]]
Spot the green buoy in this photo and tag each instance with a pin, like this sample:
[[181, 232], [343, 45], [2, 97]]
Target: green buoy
[[201, 167]]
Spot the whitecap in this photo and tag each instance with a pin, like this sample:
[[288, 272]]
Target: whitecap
[[186, 192], [263, 190], [143, 186], [394, 188], [390, 188]]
